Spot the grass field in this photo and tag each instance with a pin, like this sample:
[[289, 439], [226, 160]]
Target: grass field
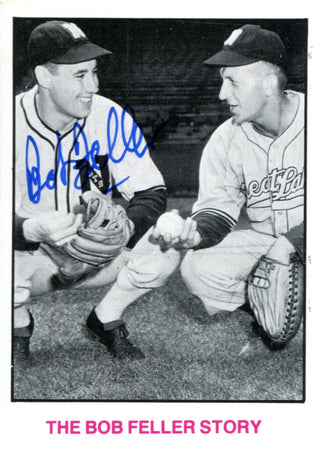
[[189, 355]]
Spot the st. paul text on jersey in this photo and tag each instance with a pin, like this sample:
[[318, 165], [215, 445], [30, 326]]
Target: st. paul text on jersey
[[282, 184]]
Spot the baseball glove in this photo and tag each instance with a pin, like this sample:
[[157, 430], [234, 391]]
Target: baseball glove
[[104, 233], [276, 297]]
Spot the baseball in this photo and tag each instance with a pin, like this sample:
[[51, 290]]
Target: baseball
[[170, 223]]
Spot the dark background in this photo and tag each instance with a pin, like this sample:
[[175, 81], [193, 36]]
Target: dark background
[[156, 68]]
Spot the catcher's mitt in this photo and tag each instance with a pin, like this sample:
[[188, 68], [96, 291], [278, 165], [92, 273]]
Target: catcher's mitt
[[104, 233], [276, 296]]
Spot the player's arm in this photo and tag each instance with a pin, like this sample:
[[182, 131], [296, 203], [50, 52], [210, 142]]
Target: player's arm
[[144, 209], [143, 185], [192, 233], [219, 202], [52, 227], [212, 227], [220, 198], [199, 231]]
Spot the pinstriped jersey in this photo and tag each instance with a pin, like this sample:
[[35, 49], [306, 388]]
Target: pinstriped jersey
[[240, 166], [104, 150]]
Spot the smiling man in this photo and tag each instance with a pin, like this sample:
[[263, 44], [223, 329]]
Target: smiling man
[[59, 107], [254, 159], [70, 143]]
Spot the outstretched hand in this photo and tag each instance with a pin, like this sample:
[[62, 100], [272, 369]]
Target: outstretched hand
[[174, 231], [53, 228]]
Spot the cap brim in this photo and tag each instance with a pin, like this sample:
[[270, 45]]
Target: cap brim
[[229, 58], [81, 53]]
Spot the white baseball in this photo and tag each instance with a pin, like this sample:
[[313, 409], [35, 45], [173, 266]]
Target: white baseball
[[170, 223]]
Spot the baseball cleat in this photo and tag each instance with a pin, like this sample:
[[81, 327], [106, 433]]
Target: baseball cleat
[[21, 341], [114, 335]]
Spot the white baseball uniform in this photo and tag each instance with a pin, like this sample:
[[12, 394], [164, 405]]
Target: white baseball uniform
[[52, 171], [240, 166], [60, 165]]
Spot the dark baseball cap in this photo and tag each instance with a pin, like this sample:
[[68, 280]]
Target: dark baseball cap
[[249, 44], [61, 42]]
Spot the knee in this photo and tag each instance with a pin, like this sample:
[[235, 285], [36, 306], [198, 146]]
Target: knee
[[191, 268], [201, 268], [150, 272], [22, 291]]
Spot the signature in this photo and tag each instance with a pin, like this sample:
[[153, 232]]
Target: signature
[[117, 131]]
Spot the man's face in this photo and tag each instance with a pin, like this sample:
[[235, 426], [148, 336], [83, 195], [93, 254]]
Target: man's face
[[243, 92], [72, 88]]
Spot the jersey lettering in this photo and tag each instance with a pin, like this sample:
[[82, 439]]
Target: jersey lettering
[[87, 174], [280, 183]]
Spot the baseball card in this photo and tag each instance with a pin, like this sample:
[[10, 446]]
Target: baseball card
[[158, 242]]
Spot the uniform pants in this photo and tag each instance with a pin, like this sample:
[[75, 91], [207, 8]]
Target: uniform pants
[[218, 275], [144, 267]]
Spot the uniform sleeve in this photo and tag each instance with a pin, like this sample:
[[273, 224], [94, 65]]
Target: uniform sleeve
[[296, 237], [220, 196], [134, 173], [144, 209], [212, 229]]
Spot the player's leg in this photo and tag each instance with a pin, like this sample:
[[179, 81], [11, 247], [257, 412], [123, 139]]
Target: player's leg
[[147, 267], [134, 273], [218, 275], [33, 273], [37, 273]]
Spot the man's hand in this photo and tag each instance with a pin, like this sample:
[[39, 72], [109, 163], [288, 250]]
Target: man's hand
[[53, 228], [281, 250], [174, 231]]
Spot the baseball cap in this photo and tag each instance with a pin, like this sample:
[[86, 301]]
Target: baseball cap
[[61, 42], [250, 44]]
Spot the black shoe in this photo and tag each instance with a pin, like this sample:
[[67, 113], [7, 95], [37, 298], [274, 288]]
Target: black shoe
[[114, 336], [21, 341]]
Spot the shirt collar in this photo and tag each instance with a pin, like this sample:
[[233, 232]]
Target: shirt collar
[[29, 107]]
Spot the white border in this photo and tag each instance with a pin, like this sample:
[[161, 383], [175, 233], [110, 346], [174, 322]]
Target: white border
[[287, 428]]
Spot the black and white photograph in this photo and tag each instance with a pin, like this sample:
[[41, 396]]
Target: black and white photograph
[[159, 259], [159, 244]]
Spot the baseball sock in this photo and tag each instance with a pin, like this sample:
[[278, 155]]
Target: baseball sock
[[116, 301]]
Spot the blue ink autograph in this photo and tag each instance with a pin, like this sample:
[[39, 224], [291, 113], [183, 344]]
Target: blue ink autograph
[[132, 140]]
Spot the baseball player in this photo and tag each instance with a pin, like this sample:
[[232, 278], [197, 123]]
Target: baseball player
[[256, 159], [70, 143]]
